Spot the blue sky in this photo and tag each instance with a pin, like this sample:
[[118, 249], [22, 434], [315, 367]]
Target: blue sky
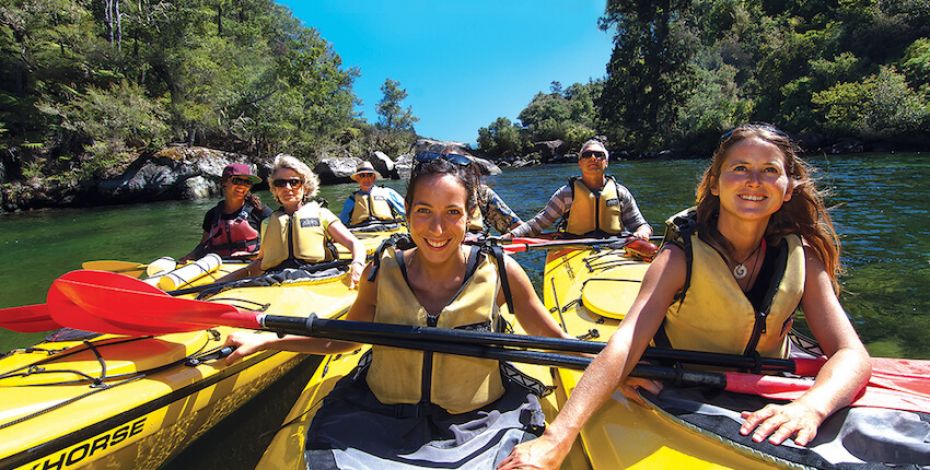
[[463, 63]]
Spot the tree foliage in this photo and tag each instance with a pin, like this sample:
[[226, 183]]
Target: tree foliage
[[78, 76], [682, 71], [391, 114], [567, 114]]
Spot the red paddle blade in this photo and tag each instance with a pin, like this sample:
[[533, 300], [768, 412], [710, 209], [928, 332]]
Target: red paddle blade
[[27, 319], [905, 375], [785, 388], [125, 302]]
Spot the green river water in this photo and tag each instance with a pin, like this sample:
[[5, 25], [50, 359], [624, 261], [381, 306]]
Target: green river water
[[879, 205]]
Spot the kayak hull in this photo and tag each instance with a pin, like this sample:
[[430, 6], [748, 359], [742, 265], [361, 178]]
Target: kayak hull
[[130, 402], [590, 291]]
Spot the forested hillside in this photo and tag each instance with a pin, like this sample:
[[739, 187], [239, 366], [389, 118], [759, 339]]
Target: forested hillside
[[852, 74], [85, 86]]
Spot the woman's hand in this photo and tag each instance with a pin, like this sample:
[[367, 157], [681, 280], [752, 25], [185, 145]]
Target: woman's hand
[[355, 273], [629, 388], [779, 422], [246, 343], [544, 452]]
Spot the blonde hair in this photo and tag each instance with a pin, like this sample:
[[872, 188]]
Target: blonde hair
[[311, 182], [804, 215]]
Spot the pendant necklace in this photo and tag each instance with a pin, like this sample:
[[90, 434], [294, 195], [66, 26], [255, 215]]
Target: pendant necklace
[[740, 271]]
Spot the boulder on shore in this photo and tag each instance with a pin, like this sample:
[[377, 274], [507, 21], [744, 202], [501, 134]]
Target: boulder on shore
[[383, 165], [336, 170], [164, 175]]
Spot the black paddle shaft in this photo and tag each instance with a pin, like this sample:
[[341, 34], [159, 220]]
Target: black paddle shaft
[[341, 330], [320, 327]]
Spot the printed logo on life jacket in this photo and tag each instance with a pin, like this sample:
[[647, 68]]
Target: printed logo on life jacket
[[74, 455], [314, 222], [612, 202], [379, 197]]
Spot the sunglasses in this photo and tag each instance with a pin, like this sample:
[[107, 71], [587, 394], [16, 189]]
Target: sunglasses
[[295, 183], [593, 153], [762, 126], [425, 157], [240, 181], [366, 175]]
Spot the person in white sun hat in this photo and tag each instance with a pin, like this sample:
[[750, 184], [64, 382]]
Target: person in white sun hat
[[371, 204]]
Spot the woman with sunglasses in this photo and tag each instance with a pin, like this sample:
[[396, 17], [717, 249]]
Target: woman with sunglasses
[[232, 227], [301, 230], [592, 205], [410, 407], [759, 240]]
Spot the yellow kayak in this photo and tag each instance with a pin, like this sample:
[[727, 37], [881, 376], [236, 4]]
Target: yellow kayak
[[135, 402], [589, 292], [287, 447]]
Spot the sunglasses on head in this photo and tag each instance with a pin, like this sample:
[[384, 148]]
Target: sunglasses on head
[[240, 181], [762, 126], [593, 153], [295, 183], [425, 157]]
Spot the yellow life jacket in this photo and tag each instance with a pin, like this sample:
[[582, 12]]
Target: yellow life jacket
[[713, 314], [371, 206], [594, 211], [301, 236], [456, 383]]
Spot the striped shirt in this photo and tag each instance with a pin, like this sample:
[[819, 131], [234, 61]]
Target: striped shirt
[[561, 202]]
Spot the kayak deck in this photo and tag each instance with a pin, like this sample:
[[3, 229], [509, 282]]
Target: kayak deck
[[287, 447], [135, 402], [589, 292]]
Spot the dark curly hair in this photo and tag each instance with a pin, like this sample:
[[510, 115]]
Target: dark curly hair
[[441, 166]]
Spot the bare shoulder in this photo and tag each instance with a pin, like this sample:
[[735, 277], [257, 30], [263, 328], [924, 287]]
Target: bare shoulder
[[669, 267]]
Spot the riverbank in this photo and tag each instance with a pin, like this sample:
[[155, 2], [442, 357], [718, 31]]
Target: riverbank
[[182, 172]]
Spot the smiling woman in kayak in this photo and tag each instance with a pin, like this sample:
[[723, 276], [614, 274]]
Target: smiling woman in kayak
[[299, 232], [232, 227], [760, 240], [421, 408]]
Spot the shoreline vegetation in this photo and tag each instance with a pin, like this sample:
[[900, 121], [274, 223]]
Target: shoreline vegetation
[[115, 102]]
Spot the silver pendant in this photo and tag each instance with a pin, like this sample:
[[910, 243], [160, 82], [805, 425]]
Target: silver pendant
[[740, 271]]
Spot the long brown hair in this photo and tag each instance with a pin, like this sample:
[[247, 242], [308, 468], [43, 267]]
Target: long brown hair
[[804, 215]]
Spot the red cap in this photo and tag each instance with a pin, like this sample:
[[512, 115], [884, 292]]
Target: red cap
[[240, 169]]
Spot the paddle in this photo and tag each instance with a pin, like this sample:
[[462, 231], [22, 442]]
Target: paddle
[[129, 268], [36, 318], [147, 309], [642, 248], [143, 311], [27, 319], [521, 244]]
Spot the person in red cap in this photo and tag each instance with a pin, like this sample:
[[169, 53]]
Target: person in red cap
[[231, 229]]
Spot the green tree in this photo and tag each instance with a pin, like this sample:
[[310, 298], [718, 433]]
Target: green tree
[[391, 114], [649, 75], [501, 138]]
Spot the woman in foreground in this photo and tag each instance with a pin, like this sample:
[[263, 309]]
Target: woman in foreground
[[410, 408], [760, 240]]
